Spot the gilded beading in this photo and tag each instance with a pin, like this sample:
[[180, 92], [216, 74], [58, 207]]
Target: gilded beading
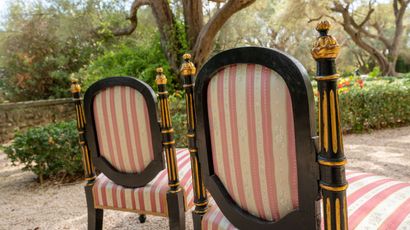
[[75, 87], [161, 79], [326, 45], [188, 68]]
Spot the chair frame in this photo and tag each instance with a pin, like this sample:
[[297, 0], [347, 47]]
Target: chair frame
[[118, 177], [297, 81], [162, 140]]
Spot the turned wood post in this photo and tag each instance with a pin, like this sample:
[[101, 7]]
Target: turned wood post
[[331, 157], [89, 172], [167, 131], [188, 72]]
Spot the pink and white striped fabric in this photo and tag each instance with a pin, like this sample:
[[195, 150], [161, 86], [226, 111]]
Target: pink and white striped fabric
[[123, 130], [374, 202], [253, 140], [150, 199]]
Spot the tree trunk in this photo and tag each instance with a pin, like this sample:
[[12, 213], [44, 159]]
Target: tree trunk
[[388, 68], [194, 20], [204, 43], [167, 27]]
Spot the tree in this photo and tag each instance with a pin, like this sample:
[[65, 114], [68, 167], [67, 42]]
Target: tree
[[41, 46], [197, 35], [362, 32]]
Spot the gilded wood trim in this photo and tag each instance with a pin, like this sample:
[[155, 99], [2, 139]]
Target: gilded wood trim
[[339, 123], [327, 78], [325, 122], [333, 121], [334, 189], [345, 213], [167, 130], [320, 123], [168, 143], [332, 163], [337, 210], [328, 214]]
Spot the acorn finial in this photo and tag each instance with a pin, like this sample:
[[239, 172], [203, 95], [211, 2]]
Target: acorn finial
[[323, 26], [188, 68], [325, 45], [75, 87], [187, 57], [161, 79]]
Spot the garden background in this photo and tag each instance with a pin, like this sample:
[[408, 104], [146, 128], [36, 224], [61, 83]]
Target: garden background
[[45, 43]]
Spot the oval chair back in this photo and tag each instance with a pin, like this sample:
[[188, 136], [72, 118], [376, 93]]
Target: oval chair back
[[123, 132], [255, 125]]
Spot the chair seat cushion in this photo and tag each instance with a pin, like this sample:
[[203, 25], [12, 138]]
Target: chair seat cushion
[[374, 202], [150, 199]]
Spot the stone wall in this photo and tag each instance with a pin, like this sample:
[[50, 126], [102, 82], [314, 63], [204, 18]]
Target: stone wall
[[22, 115]]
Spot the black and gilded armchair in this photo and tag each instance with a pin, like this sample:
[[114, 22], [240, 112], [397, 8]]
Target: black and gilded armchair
[[255, 124], [255, 147], [141, 171]]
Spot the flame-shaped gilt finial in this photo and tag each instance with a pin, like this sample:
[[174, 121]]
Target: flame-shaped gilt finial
[[161, 79], [188, 68], [326, 45], [75, 87]]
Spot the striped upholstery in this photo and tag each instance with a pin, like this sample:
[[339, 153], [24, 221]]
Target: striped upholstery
[[253, 140], [374, 202], [122, 126], [150, 199]]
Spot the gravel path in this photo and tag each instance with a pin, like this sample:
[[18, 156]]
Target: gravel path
[[26, 205]]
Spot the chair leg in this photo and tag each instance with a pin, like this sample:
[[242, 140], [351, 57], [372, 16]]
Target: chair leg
[[142, 218], [197, 220], [95, 216], [176, 210]]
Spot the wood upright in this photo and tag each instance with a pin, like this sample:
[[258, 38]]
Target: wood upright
[[331, 155]]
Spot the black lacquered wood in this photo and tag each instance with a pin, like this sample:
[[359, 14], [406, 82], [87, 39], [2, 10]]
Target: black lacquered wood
[[331, 154], [168, 141], [118, 177], [297, 81], [89, 172], [200, 197]]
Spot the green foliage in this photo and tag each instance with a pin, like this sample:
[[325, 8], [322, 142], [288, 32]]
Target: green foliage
[[129, 59], [45, 45], [48, 151], [379, 104], [179, 118], [403, 65], [375, 72]]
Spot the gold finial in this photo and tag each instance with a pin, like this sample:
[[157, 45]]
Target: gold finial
[[188, 68], [323, 26], [187, 56], [326, 45], [75, 87], [161, 79]]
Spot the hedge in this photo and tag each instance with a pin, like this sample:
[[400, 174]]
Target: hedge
[[53, 150], [379, 104]]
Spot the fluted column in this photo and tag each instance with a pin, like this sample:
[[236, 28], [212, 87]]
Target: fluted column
[[167, 131], [331, 156], [188, 72], [89, 172]]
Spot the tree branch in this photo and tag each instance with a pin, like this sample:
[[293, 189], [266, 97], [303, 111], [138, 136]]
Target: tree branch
[[204, 42], [399, 14], [359, 27], [132, 18]]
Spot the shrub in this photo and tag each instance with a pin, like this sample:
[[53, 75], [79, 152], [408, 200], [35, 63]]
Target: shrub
[[129, 59], [179, 118], [379, 104], [48, 151]]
